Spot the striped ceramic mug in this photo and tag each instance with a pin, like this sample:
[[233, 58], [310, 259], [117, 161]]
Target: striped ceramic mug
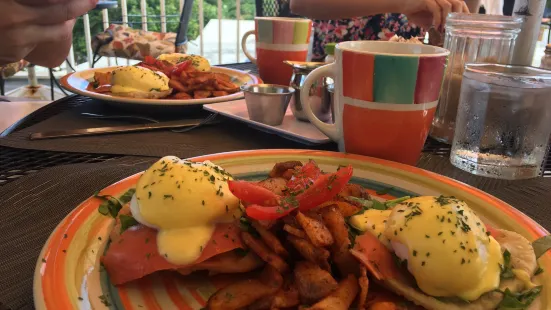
[[385, 97], [278, 39]]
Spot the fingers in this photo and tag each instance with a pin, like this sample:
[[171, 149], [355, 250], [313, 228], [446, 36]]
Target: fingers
[[465, 8], [435, 10], [57, 12], [446, 8], [52, 54], [457, 6]]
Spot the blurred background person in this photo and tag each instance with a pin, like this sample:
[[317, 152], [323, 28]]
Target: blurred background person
[[351, 20]]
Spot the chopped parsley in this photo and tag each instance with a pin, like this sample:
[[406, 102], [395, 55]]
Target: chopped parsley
[[506, 269], [111, 205], [104, 300], [127, 221], [518, 301]]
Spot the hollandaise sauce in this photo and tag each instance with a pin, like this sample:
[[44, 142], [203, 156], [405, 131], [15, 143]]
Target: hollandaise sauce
[[184, 200], [446, 246]]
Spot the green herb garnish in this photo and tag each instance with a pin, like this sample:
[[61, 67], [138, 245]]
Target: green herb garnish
[[506, 269], [111, 205], [127, 221], [541, 245], [518, 301]]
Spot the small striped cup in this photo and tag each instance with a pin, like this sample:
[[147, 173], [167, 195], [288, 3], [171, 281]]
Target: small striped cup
[[278, 39], [385, 97]]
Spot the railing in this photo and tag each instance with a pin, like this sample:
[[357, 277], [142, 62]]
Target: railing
[[227, 48]]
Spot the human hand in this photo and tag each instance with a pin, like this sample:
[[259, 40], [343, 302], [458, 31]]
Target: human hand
[[431, 13], [39, 28]]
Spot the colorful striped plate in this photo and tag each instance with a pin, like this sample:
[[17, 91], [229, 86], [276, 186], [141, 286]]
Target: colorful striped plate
[[69, 276]]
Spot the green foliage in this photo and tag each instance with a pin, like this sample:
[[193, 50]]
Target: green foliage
[[247, 11]]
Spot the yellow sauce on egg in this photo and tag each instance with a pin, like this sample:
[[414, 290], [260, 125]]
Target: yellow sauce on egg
[[448, 249], [138, 79], [184, 201]]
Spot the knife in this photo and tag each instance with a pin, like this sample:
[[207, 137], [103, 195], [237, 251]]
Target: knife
[[115, 129]]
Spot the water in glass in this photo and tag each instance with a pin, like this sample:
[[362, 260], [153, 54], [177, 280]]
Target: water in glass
[[503, 121]]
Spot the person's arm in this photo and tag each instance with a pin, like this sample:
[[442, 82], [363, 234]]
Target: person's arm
[[333, 9], [425, 13]]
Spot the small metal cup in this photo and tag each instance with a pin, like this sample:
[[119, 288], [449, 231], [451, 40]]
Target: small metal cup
[[267, 103]]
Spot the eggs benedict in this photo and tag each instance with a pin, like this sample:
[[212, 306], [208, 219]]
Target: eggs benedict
[[437, 252], [198, 62], [183, 200], [187, 220], [139, 82]]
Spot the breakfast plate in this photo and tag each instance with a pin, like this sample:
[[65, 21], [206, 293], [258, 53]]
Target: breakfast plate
[[77, 82], [69, 274]]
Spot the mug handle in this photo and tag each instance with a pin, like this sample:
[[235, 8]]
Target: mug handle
[[329, 130], [244, 46]]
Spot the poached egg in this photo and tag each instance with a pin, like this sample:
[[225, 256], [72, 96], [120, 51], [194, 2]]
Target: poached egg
[[184, 201], [198, 62], [446, 246], [139, 82]]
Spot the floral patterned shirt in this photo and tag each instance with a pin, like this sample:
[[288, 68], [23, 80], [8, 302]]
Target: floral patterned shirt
[[376, 27]]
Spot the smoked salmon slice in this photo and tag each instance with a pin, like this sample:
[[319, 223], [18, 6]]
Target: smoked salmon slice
[[134, 253]]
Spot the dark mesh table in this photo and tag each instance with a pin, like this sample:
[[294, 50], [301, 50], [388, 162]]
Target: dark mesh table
[[38, 188]]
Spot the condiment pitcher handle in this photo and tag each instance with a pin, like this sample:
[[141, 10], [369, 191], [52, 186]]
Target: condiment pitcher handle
[[329, 130], [244, 46]]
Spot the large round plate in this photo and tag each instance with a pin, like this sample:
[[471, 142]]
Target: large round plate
[[77, 82], [68, 274]]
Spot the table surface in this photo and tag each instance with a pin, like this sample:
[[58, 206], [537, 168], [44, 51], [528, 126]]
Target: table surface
[[24, 170], [13, 111]]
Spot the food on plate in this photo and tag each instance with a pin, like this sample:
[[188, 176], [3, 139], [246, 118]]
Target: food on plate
[[138, 82], [185, 220], [304, 238], [447, 258], [171, 76], [198, 62]]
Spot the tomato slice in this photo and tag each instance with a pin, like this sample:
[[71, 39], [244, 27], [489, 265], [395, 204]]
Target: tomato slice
[[263, 213], [134, 254], [150, 60], [179, 68], [303, 178], [253, 193], [325, 188]]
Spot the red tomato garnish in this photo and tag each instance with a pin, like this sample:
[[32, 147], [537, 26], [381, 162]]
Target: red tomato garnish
[[134, 254], [150, 67], [253, 193], [262, 213], [150, 60], [325, 188], [304, 177], [179, 68]]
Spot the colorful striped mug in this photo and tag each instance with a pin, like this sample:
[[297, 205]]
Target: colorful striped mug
[[385, 97], [278, 39]]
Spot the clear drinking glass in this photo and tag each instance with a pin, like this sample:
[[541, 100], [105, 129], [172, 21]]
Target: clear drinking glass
[[471, 38], [503, 121]]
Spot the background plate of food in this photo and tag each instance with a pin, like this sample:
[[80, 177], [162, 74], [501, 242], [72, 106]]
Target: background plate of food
[[172, 79], [281, 229]]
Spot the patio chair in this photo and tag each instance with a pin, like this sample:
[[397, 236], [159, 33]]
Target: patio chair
[[126, 42]]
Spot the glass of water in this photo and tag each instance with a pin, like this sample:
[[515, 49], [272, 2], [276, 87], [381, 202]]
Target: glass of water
[[503, 121]]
